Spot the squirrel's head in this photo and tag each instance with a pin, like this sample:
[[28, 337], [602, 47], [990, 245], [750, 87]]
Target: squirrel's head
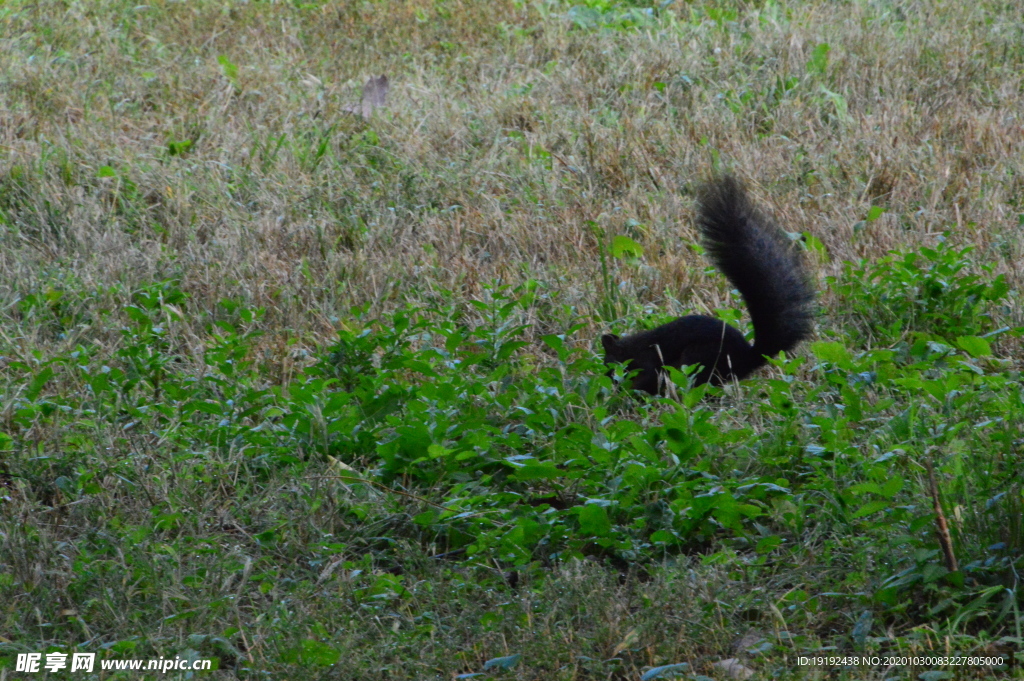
[[648, 374]]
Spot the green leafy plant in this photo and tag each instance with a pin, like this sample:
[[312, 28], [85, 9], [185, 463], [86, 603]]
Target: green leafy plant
[[930, 291]]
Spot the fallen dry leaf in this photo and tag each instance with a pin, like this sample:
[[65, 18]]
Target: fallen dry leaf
[[375, 93], [734, 669]]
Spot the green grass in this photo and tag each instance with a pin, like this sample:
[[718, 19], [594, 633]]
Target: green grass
[[316, 394]]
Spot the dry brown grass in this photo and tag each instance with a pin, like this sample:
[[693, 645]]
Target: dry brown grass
[[449, 190]]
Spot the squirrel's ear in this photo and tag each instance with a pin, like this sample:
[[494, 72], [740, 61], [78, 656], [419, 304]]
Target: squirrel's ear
[[610, 342]]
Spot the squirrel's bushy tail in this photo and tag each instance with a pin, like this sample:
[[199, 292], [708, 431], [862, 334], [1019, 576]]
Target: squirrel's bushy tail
[[759, 260]]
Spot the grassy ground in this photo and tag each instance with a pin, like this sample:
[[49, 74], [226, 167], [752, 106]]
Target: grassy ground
[[310, 387]]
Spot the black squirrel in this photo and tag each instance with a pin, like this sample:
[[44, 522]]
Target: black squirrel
[[759, 260]]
